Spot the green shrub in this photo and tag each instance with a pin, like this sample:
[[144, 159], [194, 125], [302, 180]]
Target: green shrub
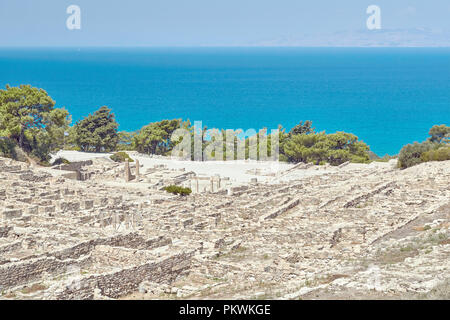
[[436, 148], [411, 154], [121, 157], [441, 154], [178, 190], [42, 163], [283, 158], [72, 148], [7, 148], [97, 132], [334, 149], [59, 161]]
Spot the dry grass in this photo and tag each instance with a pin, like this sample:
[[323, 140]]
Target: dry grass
[[440, 292], [34, 288]]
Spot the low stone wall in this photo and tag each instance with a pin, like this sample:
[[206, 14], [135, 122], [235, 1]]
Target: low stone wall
[[10, 247], [74, 166], [9, 214], [291, 204], [4, 231], [366, 196], [32, 177], [15, 274], [69, 206], [22, 272], [126, 281], [73, 175], [131, 240], [6, 168]]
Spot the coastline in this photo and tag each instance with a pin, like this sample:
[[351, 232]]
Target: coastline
[[387, 97]]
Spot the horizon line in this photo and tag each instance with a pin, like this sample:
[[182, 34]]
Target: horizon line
[[211, 46]]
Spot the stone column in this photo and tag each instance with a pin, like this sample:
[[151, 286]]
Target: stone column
[[212, 184], [137, 169], [127, 171], [196, 181]]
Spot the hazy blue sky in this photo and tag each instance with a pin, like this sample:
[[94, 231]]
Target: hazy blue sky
[[203, 22]]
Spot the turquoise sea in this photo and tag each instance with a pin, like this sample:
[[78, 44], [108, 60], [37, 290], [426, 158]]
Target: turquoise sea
[[387, 97]]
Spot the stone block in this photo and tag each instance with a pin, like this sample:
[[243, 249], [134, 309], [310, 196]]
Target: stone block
[[11, 214]]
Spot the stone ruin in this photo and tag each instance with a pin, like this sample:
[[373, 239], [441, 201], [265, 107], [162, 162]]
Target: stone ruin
[[317, 231]]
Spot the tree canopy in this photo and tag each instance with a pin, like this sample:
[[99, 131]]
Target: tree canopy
[[154, 138], [125, 141], [302, 128], [29, 118], [335, 148], [97, 132], [435, 148], [439, 133]]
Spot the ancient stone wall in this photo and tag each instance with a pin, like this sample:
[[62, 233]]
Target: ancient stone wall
[[24, 272], [75, 166], [117, 284], [57, 262], [4, 231], [131, 240]]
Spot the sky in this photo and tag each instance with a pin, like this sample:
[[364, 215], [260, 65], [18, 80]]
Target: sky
[[209, 22]]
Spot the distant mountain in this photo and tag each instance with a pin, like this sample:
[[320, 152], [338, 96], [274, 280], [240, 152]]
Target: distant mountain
[[419, 37]]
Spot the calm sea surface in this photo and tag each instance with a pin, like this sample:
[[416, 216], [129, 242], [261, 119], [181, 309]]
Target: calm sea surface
[[387, 97]]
